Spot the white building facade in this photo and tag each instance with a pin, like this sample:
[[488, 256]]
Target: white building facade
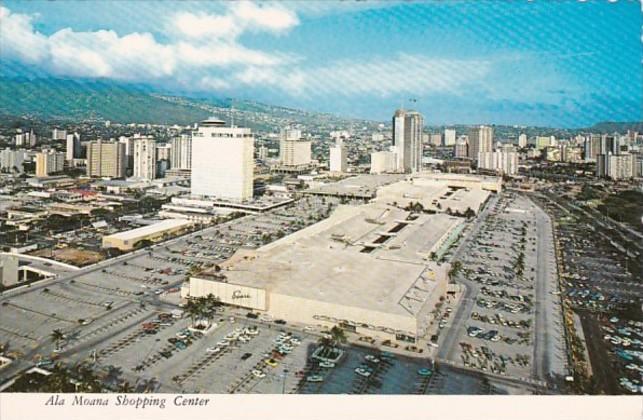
[[449, 137], [222, 161], [338, 157], [407, 140], [293, 150], [181, 153], [144, 158], [480, 141]]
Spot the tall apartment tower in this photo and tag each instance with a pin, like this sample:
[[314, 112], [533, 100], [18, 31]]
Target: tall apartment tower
[[592, 147], [49, 162], [293, 150], [181, 152], [480, 141], [144, 158], [222, 161], [461, 148], [338, 161], [106, 159], [522, 140], [129, 153], [407, 140], [449, 136], [73, 146]]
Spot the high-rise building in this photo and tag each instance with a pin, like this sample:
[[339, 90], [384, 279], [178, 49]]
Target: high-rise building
[[616, 167], [480, 141], [609, 144], [129, 152], [461, 148], [542, 142], [382, 162], [293, 150], [58, 134], [449, 136], [407, 140], [73, 146], [144, 158], [592, 147], [106, 159], [222, 161], [163, 158], [503, 161], [26, 139], [262, 153], [338, 157], [49, 162], [181, 153], [522, 140], [11, 160], [435, 139]]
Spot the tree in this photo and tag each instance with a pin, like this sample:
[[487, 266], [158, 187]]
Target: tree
[[192, 309], [56, 336], [338, 336], [87, 379], [456, 267], [125, 388]]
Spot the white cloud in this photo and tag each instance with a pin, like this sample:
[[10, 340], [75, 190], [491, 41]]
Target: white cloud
[[203, 25], [274, 18], [18, 39], [214, 83], [405, 73], [239, 17], [206, 41]]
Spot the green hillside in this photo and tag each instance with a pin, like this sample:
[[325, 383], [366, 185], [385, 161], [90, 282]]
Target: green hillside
[[63, 99]]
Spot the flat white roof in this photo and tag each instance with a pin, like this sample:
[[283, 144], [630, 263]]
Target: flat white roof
[[150, 229], [332, 261]]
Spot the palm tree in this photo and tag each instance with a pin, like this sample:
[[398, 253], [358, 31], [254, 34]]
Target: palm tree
[[88, 381], [56, 336], [125, 387], [192, 308], [337, 335], [58, 381], [455, 269]]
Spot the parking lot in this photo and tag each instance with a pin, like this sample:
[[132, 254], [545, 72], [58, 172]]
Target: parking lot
[[601, 287], [103, 302], [511, 324]]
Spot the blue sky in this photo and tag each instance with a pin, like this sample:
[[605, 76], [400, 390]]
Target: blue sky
[[567, 63]]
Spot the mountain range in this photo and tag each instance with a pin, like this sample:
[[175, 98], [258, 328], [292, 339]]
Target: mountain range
[[65, 99]]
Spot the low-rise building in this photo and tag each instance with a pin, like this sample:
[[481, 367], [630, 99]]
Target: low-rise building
[[128, 240]]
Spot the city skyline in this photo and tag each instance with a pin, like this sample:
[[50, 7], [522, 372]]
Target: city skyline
[[531, 64]]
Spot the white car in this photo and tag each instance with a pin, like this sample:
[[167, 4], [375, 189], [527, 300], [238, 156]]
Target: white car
[[213, 349], [223, 343], [251, 331], [258, 374], [362, 372]]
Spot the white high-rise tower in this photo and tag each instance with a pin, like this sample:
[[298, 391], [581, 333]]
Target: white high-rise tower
[[144, 158], [222, 161], [407, 140]]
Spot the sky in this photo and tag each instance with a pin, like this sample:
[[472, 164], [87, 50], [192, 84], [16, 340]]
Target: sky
[[560, 64]]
